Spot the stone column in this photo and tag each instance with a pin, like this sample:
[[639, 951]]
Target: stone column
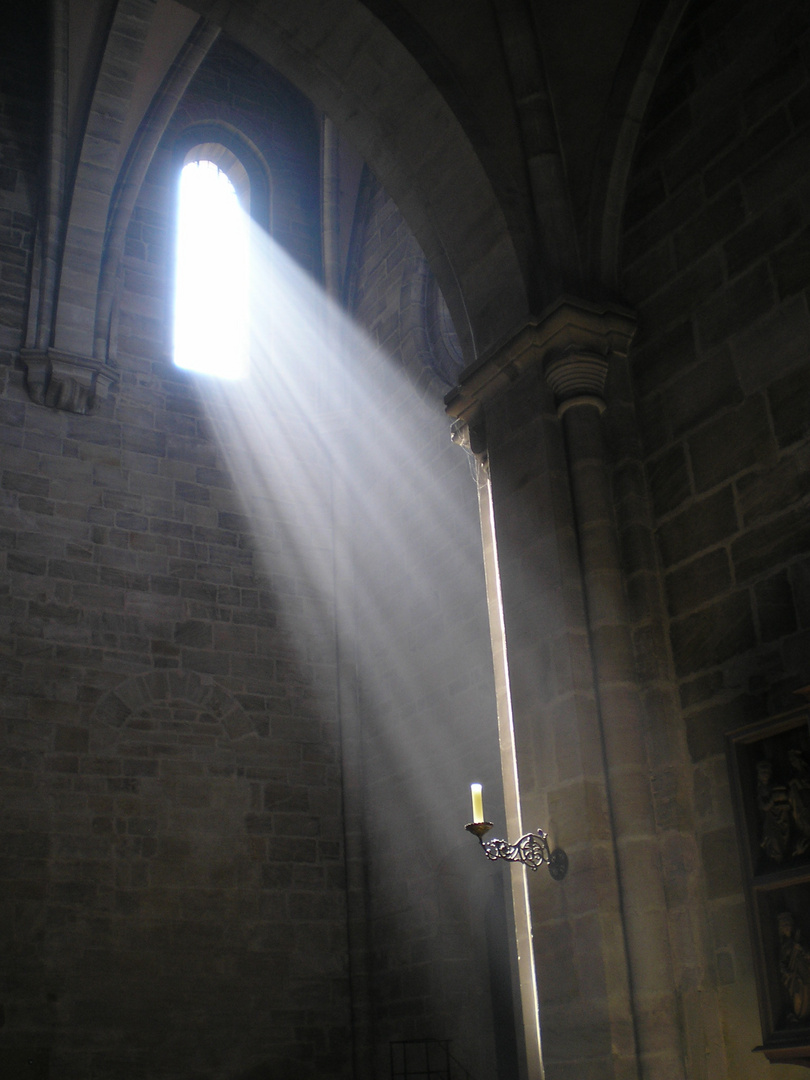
[[576, 368], [601, 944]]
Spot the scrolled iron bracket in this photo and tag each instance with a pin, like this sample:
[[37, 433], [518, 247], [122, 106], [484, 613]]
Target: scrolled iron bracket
[[532, 849]]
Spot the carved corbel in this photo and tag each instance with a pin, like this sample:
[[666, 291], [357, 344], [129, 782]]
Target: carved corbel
[[573, 341], [62, 381]]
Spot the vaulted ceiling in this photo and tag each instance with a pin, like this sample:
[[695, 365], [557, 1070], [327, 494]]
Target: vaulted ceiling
[[503, 130]]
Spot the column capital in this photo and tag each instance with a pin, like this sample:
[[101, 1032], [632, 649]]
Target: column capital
[[571, 341]]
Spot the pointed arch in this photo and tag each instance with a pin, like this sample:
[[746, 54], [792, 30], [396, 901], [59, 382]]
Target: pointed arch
[[353, 69], [643, 57]]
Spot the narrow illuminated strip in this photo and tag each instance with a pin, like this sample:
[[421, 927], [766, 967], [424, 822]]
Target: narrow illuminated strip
[[511, 787]]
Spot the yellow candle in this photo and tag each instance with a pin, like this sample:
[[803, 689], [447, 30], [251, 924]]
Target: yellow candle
[[477, 802]]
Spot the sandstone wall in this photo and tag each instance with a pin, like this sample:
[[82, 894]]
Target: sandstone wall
[[716, 261], [172, 852]]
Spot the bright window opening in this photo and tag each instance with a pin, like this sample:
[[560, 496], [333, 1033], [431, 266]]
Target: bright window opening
[[211, 314]]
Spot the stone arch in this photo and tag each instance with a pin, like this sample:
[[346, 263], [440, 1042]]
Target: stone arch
[[426, 324], [121, 706], [235, 155], [133, 174], [354, 70], [177, 754], [215, 123], [83, 222], [643, 57], [429, 354], [181, 844]]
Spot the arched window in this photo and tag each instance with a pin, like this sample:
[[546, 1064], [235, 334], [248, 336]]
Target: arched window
[[212, 269]]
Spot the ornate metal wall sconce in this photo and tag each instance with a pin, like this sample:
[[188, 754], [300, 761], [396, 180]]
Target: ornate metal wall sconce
[[532, 849]]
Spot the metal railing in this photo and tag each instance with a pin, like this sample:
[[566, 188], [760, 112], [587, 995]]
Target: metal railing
[[425, 1059]]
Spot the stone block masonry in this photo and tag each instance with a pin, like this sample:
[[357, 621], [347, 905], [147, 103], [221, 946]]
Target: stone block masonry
[[171, 837], [174, 720], [726, 367], [719, 205]]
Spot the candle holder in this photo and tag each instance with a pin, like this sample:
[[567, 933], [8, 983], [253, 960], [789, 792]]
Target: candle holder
[[532, 849]]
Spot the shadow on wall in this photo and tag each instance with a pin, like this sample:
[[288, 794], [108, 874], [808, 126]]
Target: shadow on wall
[[274, 1070], [19, 1063], [498, 935]]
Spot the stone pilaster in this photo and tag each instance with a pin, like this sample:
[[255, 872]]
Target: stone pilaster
[[534, 409]]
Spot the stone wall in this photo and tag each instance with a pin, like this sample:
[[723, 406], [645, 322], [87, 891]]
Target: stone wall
[[176, 703], [172, 847], [716, 262], [238, 90]]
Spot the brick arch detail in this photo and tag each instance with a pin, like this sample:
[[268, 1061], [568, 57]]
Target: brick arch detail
[[117, 707]]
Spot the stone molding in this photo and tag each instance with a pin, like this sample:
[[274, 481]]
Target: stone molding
[[594, 400], [576, 373], [63, 381], [572, 342]]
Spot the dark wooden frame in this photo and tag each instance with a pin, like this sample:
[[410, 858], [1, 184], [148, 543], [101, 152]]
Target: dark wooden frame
[[771, 886]]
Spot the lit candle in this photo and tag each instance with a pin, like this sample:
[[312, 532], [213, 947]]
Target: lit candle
[[477, 802]]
